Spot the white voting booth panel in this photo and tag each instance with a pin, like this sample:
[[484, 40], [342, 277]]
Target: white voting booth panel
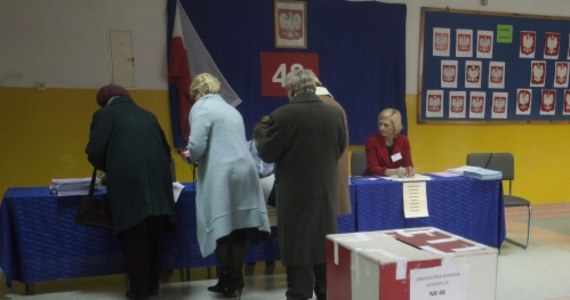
[[409, 264]]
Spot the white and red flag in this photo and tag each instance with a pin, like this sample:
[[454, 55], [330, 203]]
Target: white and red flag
[[187, 57]]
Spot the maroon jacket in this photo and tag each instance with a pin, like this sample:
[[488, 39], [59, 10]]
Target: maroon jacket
[[378, 159]]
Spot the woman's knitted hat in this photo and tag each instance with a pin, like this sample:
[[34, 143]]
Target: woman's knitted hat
[[107, 92]]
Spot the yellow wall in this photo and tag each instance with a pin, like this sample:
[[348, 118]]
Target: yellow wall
[[44, 135], [541, 150]]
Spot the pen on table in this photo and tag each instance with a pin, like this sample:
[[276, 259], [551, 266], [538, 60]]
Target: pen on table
[[409, 169]]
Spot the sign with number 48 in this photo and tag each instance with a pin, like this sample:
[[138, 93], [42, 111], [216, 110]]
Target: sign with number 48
[[276, 65]]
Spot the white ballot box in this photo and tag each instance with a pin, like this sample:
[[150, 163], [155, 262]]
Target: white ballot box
[[409, 264]]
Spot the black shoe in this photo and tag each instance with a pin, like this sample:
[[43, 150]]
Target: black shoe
[[269, 262], [235, 286], [223, 282]]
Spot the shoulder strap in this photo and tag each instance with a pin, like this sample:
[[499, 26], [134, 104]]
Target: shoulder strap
[[92, 184]]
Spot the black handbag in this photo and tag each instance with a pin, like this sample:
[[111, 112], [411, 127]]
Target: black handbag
[[94, 211]]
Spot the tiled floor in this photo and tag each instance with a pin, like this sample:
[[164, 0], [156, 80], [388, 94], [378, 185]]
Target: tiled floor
[[541, 272]]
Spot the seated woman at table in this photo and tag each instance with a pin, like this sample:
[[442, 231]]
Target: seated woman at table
[[387, 151]]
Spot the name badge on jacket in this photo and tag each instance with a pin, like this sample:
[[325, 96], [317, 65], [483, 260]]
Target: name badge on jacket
[[396, 157]]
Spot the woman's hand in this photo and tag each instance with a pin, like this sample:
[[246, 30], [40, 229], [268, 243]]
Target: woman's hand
[[401, 172], [410, 172], [185, 155]]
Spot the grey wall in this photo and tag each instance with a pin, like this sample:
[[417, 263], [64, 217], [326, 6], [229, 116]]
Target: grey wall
[[65, 43]]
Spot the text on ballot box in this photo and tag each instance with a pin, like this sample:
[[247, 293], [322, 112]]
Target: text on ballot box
[[409, 264]]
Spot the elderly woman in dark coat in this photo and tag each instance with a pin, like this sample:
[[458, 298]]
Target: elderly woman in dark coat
[[305, 139], [128, 144]]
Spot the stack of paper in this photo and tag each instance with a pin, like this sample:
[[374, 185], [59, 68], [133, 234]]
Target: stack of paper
[[484, 174], [71, 186], [463, 169], [477, 172]]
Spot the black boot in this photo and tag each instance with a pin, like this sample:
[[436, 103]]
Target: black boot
[[223, 282], [235, 286]]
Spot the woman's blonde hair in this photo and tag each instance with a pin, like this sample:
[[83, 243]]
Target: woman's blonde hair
[[204, 83], [394, 116]]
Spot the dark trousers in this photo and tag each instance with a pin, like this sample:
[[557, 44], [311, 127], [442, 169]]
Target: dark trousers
[[302, 280], [143, 250]]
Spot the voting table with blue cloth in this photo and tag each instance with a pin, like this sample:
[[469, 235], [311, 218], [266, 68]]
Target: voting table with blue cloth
[[468, 207], [39, 239]]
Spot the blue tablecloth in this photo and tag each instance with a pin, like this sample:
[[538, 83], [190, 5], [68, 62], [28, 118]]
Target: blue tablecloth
[[39, 239], [468, 207]]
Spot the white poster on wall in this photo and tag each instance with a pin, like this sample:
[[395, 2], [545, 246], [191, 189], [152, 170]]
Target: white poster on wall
[[485, 44], [551, 45], [548, 102], [457, 104], [499, 105], [464, 43], [537, 73], [441, 41], [449, 73], [477, 105], [527, 48], [524, 101], [561, 74], [473, 70], [434, 101], [497, 75]]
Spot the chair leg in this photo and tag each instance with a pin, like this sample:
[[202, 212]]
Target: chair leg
[[525, 245]]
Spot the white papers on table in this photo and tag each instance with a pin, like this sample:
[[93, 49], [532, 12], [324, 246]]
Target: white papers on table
[[477, 172], [446, 174], [417, 177], [364, 178], [462, 169], [71, 186], [484, 174]]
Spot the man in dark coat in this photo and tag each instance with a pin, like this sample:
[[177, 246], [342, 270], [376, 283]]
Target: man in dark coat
[[128, 144], [305, 139]]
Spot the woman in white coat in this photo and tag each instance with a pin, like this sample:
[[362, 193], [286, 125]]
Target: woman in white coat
[[230, 208]]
